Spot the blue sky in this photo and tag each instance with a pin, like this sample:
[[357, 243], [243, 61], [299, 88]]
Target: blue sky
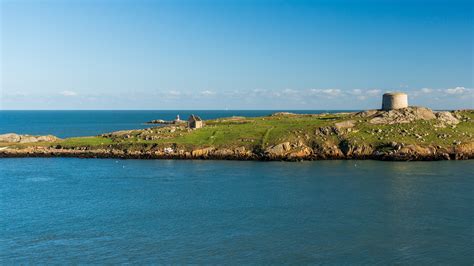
[[145, 54]]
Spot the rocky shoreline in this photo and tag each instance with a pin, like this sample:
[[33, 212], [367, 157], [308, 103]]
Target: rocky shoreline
[[276, 153]]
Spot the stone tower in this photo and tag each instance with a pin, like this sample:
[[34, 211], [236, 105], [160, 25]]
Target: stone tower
[[394, 100]]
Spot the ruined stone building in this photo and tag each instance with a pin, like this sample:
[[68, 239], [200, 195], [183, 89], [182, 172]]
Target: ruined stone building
[[195, 121]]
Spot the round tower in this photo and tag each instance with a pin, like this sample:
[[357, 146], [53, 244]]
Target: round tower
[[394, 100]]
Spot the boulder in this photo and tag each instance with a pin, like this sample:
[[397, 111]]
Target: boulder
[[447, 118], [278, 150], [345, 124], [326, 131]]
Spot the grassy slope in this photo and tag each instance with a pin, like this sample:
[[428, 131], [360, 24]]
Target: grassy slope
[[250, 132], [261, 132]]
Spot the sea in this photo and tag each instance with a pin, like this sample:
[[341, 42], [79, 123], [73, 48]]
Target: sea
[[108, 211], [65, 124]]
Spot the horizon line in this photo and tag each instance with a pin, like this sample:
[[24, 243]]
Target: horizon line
[[184, 109]]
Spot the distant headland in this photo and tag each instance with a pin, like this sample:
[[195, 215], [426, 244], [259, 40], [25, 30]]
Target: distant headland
[[397, 131]]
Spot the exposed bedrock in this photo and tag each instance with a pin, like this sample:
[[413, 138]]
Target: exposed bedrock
[[16, 138]]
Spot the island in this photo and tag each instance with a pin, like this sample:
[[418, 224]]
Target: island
[[405, 133]]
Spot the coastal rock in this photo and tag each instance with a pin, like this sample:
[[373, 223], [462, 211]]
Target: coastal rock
[[464, 150], [353, 150], [447, 118], [278, 150], [287, 150], [202, 152], [223, 153], [10, 137], [328, 150], [300, 153], [399, 116], [361, 151], [282, 114], [326, 131], [367, 113], [16, 138], [242, 152], [415, 152], [345, 124]]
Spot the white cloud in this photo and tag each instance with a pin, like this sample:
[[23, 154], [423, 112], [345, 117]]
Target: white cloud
[[207, 92], [359, 93], [457, 90], [258, 91], [373, 92], [169, 95], [283, 98], [364, 94], [290, 91], [332, 92], [68, 93], [174, 93], [326, 92]]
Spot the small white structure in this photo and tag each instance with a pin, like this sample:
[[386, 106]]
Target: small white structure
[[178, 121], [394, 100]]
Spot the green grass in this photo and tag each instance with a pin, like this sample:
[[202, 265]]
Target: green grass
[[84, 142], [253, 132], [407, 133]]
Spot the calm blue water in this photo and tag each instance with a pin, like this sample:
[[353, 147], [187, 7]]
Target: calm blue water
[[89, 123], [57, 210], [158, 211]]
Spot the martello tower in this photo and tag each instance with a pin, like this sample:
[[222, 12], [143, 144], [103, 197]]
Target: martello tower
[[394, 100]]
